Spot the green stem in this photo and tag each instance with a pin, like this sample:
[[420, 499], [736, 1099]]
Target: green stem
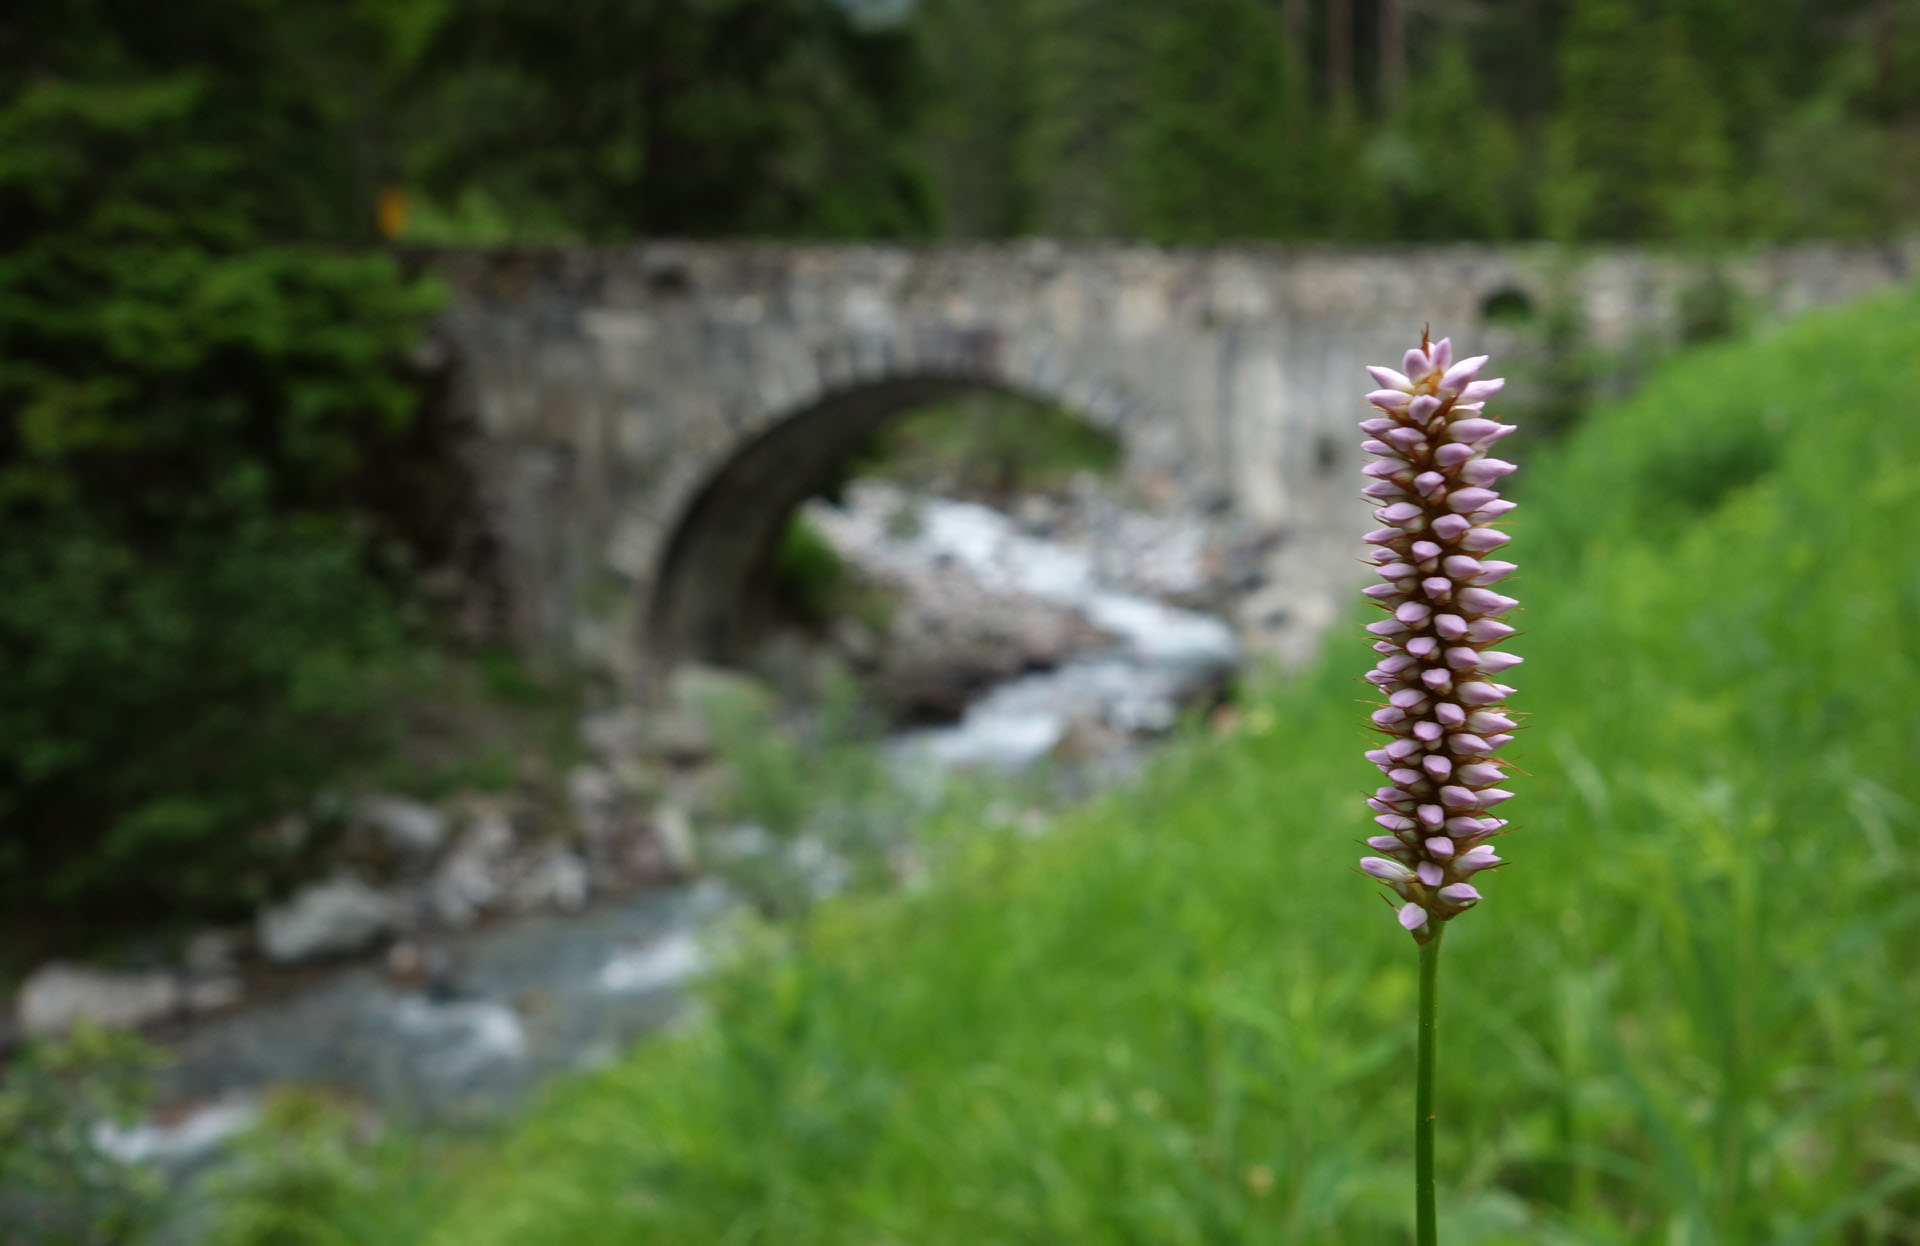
[[1428, 1229]]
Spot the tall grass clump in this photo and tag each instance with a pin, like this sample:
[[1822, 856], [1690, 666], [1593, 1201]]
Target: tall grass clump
[[1696, 1022]]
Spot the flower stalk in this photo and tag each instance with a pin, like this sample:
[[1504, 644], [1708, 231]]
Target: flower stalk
[[1444, 718]]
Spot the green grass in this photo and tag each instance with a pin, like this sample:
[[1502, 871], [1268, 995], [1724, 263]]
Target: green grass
[[1687, 1013]]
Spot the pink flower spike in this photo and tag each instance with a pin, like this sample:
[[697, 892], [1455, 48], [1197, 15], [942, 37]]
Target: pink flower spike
[[1486, 471], [1471, 499], [1385, 870], [1480, 857], [1437, 492], [1483, 601], [1478, 692], [1472, 430], [1460, 373], [1492, 571]]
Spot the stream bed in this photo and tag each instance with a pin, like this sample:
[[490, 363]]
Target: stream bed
[[488, 1013]]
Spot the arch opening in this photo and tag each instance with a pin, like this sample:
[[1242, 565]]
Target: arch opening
[[712, 599]]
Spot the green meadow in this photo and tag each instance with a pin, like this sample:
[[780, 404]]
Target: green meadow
[[1688, 1011]]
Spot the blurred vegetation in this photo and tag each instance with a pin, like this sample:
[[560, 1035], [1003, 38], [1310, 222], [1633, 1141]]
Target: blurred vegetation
[[197, 396], [58, 1186], [1683, 1013], [988, 446], [315, 1171], [1693, 121], [216, 485]]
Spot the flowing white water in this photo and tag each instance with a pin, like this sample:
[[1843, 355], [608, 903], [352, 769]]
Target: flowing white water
[[1161, 657]]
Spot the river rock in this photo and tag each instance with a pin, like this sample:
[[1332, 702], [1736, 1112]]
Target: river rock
[[59, 995], [555, 879], [614, 736], [472, 878], [594, 795], [212, 953], [333, 918], [410, 828], [674, 831]]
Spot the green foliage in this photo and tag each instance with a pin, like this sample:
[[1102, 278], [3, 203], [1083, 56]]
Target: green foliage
[[314, 1172], [817, 795], [807, 574], [159, 707], [194, 405], [675, 117], [57, 1187], [1698, 120], [988, 445], [1683, 1013]]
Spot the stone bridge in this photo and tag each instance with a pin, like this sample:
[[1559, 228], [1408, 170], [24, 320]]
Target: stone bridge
[[643, 419]]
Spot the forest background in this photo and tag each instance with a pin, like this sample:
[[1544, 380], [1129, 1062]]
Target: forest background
[[216, 494]]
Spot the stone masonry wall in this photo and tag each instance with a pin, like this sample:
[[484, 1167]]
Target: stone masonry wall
[[646, 415]]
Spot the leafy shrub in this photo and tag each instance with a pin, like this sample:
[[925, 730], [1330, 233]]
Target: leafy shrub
[[161, 705], [311, 1173], [57, 1186], [190, 403]]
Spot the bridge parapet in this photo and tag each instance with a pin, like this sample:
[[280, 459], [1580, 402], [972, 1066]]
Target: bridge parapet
[[646, 416]]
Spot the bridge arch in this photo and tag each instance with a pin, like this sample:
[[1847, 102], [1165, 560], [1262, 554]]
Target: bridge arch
[[720, 541], [614, 401]]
